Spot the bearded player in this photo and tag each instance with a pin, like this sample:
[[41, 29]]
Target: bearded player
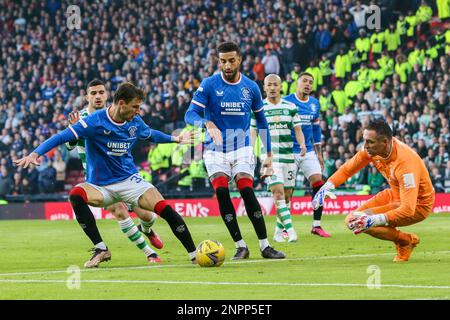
[[223, 105]]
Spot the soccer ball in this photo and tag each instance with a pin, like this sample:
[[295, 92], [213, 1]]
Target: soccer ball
[[210, 253]]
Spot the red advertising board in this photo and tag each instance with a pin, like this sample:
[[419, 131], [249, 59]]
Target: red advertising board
[[200, 208]]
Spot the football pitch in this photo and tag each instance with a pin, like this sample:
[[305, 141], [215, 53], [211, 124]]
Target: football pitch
[[40, 259]]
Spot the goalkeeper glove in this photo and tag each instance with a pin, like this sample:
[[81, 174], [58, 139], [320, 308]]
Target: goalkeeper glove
[[323, 193], [362, 221]]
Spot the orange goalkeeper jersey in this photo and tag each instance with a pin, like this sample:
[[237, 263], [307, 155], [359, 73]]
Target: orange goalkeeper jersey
[[403, 169]]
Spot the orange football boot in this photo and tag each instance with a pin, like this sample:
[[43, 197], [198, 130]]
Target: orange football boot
[[404, 252]]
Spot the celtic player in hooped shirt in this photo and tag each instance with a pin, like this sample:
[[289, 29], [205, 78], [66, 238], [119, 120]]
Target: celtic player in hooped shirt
[[111, 174], [223, 104], [282, 118]]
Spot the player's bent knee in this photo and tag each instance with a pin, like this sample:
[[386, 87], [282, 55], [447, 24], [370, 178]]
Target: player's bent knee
[[242, 175], [90, 195], [149, 199], [220, 182], [144, 215], [315, 178], [243, 183], [78, 195], [278, 193], [218, 175], [165, 211], [119, 210]]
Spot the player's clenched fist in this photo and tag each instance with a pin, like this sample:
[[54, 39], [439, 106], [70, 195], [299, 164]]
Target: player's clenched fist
[[24, 162], [214, 132]]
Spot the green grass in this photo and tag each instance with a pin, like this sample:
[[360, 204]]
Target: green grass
[[316, 268]]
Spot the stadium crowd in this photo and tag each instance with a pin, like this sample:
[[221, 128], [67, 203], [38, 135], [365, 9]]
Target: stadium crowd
[[399, 71]]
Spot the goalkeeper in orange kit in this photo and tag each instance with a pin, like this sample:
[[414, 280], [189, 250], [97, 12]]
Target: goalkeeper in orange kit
[[409, 199]]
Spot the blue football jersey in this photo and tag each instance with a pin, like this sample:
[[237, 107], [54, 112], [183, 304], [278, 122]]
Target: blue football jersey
[[309, 113], [109, 145], [229, 106]]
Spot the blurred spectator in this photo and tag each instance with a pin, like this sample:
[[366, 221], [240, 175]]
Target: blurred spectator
[[259, 71], [6, 182], [271, 63], [44, 68], [60, 167], [375, 180], [359, 14], [438, 180], [47, 178]]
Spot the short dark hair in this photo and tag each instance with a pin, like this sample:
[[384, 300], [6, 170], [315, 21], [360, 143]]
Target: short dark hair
[[127, 92], [381, 127], [95, 82], [305, 74], [228, 46]]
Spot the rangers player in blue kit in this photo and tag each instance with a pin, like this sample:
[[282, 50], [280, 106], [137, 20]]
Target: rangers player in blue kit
[[223, 104], [312, 162], [112, 176]]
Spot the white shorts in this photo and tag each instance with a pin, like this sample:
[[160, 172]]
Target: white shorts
[[128, 191], [230, 163], [309, 164], [283, 173]]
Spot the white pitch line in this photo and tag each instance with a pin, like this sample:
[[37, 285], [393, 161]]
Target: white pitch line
[[403, 286], [227, 262]]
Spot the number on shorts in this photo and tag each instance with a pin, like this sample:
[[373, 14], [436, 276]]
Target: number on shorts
[[137, 178], [290, 175]]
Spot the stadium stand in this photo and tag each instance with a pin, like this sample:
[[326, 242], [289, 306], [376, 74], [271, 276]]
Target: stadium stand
[[399, 71]]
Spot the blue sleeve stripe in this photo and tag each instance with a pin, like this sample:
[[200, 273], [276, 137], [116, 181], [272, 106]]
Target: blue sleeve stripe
[[73, 131], [198, 104], [259, 110]]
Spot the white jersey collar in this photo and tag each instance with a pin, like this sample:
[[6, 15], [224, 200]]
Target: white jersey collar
[[300, 100], [111, 119], [231, 83]]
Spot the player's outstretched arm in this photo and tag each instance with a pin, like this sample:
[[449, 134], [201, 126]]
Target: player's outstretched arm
[[347, 170], [160, 137], [187, 137], [300, 137], [183, 138], [52, 142], [24, 162]]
